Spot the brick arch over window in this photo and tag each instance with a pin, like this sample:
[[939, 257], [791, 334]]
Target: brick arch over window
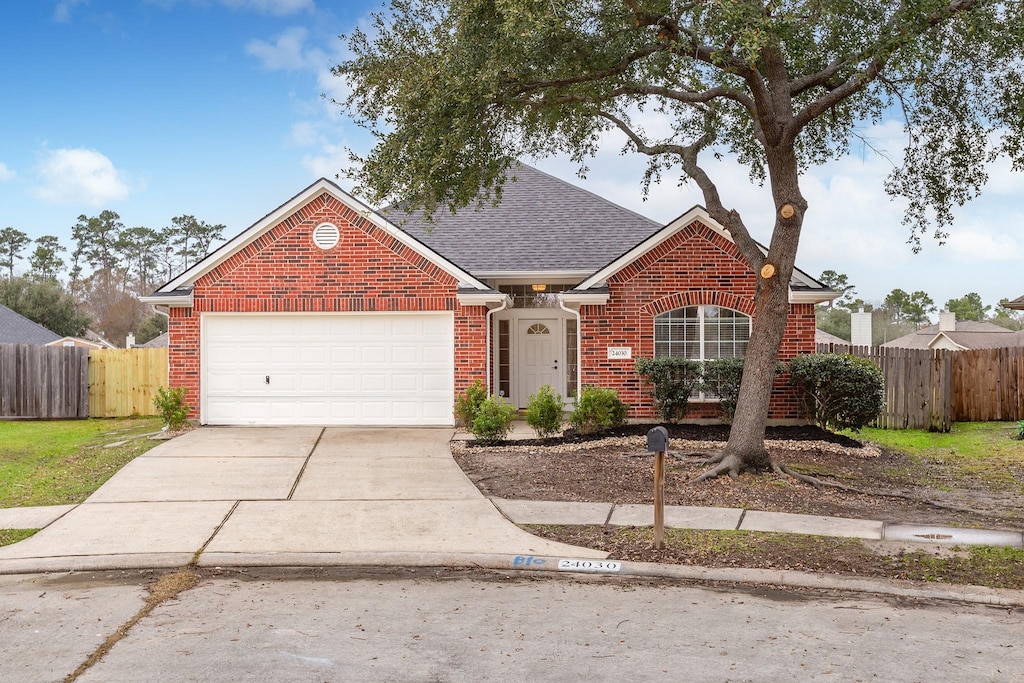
[[698, 298]]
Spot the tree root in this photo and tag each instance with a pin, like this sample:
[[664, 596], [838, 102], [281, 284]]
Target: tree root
[[725, 464], [733, 466]]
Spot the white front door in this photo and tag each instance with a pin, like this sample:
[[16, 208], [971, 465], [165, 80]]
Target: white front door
[[540, 357]]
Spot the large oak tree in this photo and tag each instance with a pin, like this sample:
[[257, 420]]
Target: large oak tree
[[456, 90]]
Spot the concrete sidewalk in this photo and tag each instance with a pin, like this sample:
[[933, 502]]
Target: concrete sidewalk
[[680, 517]]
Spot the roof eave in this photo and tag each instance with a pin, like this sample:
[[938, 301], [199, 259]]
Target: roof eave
[[170, 299], [812, 296], [594, 298], [532, 276], [490, 298]]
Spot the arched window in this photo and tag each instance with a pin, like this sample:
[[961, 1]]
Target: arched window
[[701, 333]]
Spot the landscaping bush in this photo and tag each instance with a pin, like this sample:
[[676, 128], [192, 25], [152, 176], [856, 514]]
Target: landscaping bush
[[170, 403], [722, 378], [840, 391], [467, 404], [672, 382], [493, 420], [596, 409], [544, 412]]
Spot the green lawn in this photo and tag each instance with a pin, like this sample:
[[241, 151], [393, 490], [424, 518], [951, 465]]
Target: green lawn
[[61, 462], [983, 450]]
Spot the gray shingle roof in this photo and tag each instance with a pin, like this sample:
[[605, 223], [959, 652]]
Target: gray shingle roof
[[17, 329], [158, 342], [970, 334], [823, 337], [536, 227]]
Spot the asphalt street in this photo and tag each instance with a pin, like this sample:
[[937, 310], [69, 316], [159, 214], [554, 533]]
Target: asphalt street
[[437, 625]]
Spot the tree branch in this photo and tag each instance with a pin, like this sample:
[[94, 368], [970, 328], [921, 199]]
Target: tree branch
[[729, 218], [892, 39]]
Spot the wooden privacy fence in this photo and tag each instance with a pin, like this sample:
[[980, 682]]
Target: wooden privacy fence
[[931, 389], [43, 381], [54, 382], [988, 385], [918, 384], [123, 382]]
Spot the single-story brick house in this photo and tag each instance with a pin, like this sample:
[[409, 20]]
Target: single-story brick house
[[328, 312]]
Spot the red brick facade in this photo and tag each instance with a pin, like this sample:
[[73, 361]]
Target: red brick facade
[[284, 271], [281, 270], [695, 266]]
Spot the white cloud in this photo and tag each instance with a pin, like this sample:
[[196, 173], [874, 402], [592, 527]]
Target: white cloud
[[5, 173], [330, 160], [80, 175], [286, 53], [62, 11], [277, 7]]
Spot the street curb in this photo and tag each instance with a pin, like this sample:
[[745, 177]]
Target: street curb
[[532, 564], [542, 564]]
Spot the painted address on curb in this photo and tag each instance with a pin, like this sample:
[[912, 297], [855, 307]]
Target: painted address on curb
[[524, 561], [588, 566]]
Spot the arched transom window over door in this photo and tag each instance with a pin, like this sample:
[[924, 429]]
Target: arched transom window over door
[[701, 333]]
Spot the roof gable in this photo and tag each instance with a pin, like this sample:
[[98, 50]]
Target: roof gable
[[17, 329], [322, 190], [802, 287]]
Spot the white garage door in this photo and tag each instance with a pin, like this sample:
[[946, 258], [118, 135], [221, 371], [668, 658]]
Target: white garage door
[[329, 369]]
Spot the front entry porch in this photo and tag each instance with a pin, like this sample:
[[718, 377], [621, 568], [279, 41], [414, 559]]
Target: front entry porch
[[533, 348]]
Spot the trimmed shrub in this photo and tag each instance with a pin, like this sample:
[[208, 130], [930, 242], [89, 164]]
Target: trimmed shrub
[[722, 378], [493, 420], [467, 404], [596, 409], [170, 403], [544, 412], [673, 380], [840, 391]]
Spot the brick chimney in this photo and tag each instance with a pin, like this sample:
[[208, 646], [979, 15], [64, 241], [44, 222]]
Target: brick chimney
[[947, 321]]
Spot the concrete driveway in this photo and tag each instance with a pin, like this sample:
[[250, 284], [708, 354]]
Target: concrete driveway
[[283, 496]]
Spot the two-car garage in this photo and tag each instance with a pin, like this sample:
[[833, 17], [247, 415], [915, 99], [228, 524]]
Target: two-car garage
[[327, 369]]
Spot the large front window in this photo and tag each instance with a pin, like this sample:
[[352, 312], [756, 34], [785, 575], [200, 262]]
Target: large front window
[[701, 333]]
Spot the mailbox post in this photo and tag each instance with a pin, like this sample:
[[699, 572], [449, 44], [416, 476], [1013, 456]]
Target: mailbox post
[[657, 443]]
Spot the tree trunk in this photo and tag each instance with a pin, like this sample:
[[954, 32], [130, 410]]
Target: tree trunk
[[745, 449]]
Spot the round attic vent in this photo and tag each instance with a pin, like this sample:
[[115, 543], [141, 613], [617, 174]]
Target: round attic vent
[[326, 235]]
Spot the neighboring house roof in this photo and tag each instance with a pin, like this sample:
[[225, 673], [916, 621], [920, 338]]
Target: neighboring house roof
[[17, 329], [78, 341], [1017, 303], [977, 340], [158, 342], [98, 339], [823, 337], [969, 334], [535, 228]]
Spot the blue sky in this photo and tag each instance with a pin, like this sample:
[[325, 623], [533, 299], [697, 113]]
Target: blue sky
[[157, 108]]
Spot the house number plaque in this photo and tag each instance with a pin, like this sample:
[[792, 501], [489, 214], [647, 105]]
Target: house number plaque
[[620, 352]]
